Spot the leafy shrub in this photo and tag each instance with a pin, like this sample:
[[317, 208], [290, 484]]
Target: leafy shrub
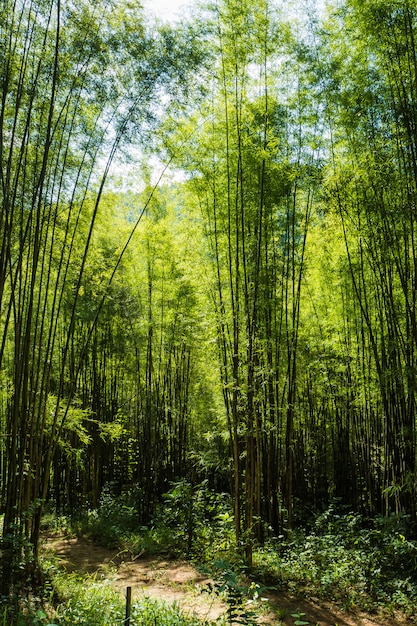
[[194, 520], [191, 520], [238, 595], [115, 519], [361, 562]]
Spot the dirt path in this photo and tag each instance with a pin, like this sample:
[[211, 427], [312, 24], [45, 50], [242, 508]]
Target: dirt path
[[165, 580], [180, 582]]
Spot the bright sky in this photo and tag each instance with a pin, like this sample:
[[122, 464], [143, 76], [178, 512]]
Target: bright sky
[[173, 9], [167, 9]]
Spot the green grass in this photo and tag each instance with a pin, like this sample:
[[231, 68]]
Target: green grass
[[84, 601], [94, 603]]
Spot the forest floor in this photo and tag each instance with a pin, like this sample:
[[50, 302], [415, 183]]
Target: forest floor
[[178, 581]]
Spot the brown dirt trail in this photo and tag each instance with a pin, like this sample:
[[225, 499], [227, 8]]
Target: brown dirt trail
[[177, 581]]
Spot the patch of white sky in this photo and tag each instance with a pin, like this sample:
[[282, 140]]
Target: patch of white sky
[[128, 176], [168, 10], [175, 10]]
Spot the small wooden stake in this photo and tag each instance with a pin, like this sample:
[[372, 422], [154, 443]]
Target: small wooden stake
[[128, 605]]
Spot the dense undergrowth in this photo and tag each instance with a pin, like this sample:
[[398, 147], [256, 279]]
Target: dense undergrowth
[[86, 602], [365, 564], [190, 522], [359, 563]]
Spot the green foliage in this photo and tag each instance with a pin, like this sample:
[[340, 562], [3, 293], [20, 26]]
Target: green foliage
[[79, 82], [115, 520], [197, 518], [93, 603], [298, 617], [366, 563], [90, 603], [189, 521], [288, 256], [147, 612], [238, 595]]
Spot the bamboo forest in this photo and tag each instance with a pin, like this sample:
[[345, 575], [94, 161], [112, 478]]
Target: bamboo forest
[[208, 311]]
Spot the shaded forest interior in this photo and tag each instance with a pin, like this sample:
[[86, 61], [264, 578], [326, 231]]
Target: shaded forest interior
[[208, 262]]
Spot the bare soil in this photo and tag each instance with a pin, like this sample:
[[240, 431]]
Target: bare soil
[[177, 581]]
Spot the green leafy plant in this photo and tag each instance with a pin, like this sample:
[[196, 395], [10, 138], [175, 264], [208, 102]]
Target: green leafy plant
[[199, 520], [299, 621], [365, 563], [238, 595], [114, 520], [41, 618]]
